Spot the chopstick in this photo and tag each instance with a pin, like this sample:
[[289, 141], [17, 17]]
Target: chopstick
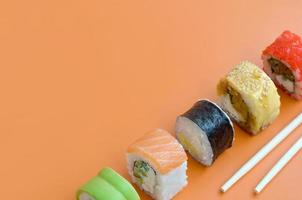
[[279, 165], [262, 152]]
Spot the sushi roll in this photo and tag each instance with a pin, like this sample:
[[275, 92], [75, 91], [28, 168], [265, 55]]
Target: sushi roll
[[282, 61], [157, 163], [250, 97], [108, 184], [205, 131]]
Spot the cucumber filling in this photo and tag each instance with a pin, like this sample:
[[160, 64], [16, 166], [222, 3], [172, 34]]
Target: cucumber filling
[[144, 175], [283, 74]]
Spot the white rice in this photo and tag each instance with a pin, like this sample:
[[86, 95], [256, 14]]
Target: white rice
[[85, 196], [287, 84], [197, 138], [225, 102], [162, 186]]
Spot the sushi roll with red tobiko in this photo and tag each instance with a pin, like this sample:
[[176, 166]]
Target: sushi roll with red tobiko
[[282, 61]]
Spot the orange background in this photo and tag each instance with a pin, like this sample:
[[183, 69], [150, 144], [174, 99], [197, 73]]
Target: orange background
[[80, 80]]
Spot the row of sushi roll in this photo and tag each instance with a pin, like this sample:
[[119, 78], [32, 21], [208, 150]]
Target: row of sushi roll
[[157, 161]]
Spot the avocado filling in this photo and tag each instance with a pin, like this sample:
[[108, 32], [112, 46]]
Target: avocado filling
[[283, 74], [238, 103], [248, 120], [281, 69], [144, 175]]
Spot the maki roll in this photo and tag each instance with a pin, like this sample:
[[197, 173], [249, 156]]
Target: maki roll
[[250, 97], [205, 131], [108, 184], [282, 61], [157, 163]]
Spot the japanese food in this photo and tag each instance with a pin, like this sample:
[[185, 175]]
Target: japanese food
[[205, 131], [157, 163], [282, 61], [108, 184], [250, 97]]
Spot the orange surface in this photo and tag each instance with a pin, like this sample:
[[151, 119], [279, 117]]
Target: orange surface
[[81, 80]]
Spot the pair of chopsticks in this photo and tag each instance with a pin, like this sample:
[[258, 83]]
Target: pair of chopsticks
[[263, 152]]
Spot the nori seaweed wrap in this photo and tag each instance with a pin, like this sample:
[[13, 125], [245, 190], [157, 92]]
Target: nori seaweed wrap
[[205, 131]]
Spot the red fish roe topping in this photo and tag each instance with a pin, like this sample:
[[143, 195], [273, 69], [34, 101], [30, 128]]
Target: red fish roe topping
[[288, 49]]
